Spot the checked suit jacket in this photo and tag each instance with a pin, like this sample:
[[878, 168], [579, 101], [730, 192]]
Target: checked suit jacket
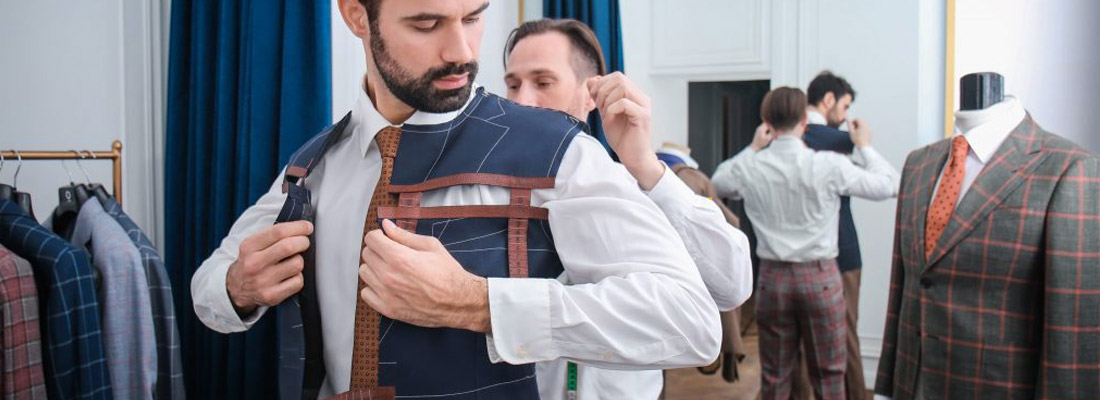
[[1008, 304]]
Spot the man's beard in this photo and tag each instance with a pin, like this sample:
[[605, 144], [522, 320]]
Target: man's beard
[[420, 93], [832, 120]]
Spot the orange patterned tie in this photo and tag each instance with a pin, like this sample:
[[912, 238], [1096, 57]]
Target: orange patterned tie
[[948, 194], [364, 359]]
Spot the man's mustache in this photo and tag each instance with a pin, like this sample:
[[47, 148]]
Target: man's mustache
[[449, 70]]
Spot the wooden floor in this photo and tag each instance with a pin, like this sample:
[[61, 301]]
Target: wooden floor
[[690, 384]]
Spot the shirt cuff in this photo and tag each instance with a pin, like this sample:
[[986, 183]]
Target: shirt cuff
[[224, 312], [669, 189], [858, 158], [519, 313]]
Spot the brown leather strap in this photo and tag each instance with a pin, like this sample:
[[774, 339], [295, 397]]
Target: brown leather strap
[[408, 201], [512, 182], [448, 212], [517, 235], [296, 171], [364, 364], [378, 393]]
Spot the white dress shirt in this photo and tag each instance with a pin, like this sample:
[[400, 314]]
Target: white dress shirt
[[792, 194], [636, 299], [814, 117], [985, 130], [719, 250]]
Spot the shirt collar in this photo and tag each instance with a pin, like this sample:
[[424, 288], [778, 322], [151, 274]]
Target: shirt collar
[[366, 121], [815, 118], [998, 122], [788, 142]]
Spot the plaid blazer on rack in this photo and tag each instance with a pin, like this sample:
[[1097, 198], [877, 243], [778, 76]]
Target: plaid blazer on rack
[[1008, 304]]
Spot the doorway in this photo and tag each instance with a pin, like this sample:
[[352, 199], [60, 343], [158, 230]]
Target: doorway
[[722, 118]]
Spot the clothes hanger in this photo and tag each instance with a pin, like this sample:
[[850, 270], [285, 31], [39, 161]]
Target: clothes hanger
[[7, 192], [97, 189], [11, 192], [981, 90], [69, 200]]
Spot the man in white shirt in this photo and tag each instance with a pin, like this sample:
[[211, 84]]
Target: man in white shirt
[[792, 195], [559, 64], [421, 57]]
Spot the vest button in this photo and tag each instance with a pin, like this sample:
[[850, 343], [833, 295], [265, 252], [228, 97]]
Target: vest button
[[925, 283]]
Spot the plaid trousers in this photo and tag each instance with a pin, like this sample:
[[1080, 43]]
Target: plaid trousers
[[801, 303]]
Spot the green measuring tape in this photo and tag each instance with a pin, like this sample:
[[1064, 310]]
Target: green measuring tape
[[571, 380]]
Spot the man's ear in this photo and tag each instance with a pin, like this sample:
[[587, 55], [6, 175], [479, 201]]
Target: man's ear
[[829, 100], [355, 16], [589, 102]]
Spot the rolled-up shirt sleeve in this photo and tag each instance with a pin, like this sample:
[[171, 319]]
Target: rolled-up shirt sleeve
[[866, 174], [719, 250], [630, 296], [726, 180], [208, 291]]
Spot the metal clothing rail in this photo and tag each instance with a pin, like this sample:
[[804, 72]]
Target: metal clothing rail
[[115, 155]]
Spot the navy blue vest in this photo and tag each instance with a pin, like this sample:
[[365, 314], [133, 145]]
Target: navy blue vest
[[825, 138], [493, 142]]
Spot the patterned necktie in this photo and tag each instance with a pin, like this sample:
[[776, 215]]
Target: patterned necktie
[[364, 359], [948, 194]]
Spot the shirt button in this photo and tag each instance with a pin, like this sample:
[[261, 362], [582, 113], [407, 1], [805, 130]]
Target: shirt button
[[925, 283], [522, 352]]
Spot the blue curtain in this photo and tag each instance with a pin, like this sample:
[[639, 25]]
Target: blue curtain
[[248, 82], [603, 17]]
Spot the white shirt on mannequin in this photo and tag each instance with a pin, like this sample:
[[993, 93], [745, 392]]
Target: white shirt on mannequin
[[985, 130]]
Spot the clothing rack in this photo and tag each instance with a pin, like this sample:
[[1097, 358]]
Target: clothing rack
[[115, 155]]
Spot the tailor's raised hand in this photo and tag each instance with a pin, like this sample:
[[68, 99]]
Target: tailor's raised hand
[[626, 114], [763, 137], [412, 278]]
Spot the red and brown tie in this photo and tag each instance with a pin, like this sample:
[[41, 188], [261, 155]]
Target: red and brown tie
[[943, 205], [364, 359]]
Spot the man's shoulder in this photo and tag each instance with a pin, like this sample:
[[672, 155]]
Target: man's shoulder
[[823, 137], [532, 120]]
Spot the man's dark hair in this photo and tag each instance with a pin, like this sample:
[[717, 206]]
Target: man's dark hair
[[588, 58], [827, 82], [783, 108]]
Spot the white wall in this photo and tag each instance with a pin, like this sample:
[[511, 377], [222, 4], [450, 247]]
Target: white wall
[[349, 62], [79, 75], [1048, 53], [892, 52]]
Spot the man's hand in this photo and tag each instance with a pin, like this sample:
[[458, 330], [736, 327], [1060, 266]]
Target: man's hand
[[762, 137], [626, 122], [268, 269], [412, 278], [860, 134]]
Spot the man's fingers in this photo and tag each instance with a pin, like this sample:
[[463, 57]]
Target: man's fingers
[[372, 262], [369, 296], [385, 247], [593, 85], [275, 233], [284, 269], [370, 277], [283, 249], [409, 239], [627, 107], [283, 290]]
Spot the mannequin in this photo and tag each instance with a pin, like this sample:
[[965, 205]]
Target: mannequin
[[982, 101], [1025, 209]]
